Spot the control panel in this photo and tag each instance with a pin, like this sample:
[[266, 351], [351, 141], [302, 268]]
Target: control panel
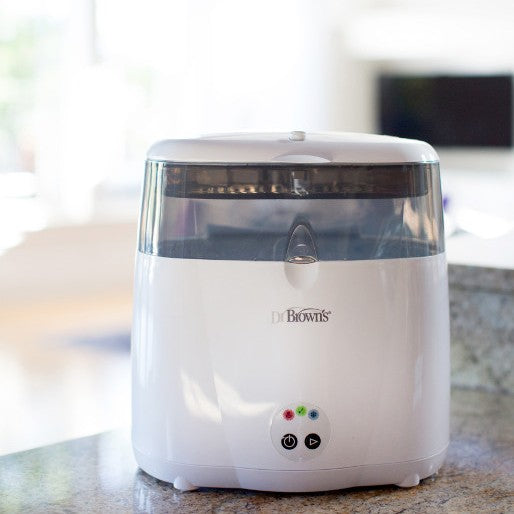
[[300, 431]]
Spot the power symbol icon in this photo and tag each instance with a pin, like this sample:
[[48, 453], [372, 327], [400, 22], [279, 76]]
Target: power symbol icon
[[289, 441]]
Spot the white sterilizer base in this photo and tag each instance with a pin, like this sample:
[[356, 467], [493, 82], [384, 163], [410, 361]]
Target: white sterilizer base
[[290, 377], [403, 474]]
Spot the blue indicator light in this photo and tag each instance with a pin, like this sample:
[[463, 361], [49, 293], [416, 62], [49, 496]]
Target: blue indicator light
[[313, 414]]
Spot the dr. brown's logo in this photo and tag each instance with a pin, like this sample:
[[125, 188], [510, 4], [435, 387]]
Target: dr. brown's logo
[[301, 315]]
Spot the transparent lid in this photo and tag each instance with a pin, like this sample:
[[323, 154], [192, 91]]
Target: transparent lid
[[277, 210]]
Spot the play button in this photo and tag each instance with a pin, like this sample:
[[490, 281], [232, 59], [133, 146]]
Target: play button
[[312, 441]]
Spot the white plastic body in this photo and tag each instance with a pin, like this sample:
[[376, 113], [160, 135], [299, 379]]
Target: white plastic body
[[211, 370], [311, 147]]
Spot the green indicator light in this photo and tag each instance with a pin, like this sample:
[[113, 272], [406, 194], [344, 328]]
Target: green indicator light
[[301, 410]]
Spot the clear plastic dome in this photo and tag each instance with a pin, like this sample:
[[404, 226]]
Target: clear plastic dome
[[291, 212]]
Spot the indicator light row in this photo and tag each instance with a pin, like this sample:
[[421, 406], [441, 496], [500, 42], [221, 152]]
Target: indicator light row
[[289, 414]]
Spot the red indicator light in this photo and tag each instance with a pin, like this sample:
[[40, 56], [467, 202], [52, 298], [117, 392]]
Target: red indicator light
[[288, 414]]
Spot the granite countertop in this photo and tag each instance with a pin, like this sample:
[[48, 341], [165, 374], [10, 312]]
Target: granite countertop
[[98, 474]]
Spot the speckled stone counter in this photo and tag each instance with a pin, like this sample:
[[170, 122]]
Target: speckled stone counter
[[482, 327], [98, 474]]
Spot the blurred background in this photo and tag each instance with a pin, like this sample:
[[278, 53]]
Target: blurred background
[[87, 85]]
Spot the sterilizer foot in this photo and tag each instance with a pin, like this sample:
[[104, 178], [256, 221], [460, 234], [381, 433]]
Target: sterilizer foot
[[182, 484], [409, 481]]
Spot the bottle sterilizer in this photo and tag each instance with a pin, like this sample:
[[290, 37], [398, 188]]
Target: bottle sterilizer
[[291, 313]]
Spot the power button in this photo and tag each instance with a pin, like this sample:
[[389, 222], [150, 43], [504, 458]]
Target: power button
[[289, 441]]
